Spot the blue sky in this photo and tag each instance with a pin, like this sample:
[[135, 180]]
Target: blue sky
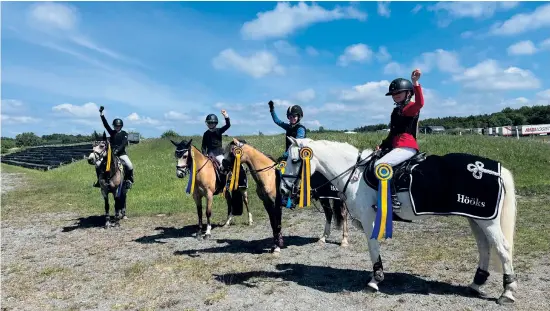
[[167, 65]]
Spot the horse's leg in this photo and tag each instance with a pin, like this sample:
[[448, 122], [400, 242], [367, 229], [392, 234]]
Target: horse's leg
[[229, 214], [275, 216], [493, 232], [367, 220], [209, 200], [245, 200], [106, 203], [198, 203], [344, 213], [325, 203], [484, 248]]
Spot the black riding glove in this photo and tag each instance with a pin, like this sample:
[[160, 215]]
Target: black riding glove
[[270, 106]]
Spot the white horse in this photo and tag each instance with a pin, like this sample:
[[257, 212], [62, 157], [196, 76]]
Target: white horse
[[334, 160]]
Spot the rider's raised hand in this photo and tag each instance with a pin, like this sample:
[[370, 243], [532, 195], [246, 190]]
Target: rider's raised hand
[[101, 110], [224, 113], [415, 76], [270, 105]]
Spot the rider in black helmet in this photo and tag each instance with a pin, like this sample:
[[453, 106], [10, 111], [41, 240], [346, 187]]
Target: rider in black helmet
[[294, 129], [212, 138], [119, 140]]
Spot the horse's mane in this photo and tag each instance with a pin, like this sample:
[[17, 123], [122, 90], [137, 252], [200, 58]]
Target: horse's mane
[[232, 143]]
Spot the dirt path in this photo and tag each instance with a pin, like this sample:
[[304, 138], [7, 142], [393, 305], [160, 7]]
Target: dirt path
[[11, 180], [60, 262]]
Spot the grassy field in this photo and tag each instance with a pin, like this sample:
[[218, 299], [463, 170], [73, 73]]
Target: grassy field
[[46, 267], [157, 190]]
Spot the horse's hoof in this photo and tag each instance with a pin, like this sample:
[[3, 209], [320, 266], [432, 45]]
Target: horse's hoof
[[476, 291], [199, 236], [207, 236], [322, 240], [124, 217], [276, 250], [503, 300], [372, 286], [344, 244]]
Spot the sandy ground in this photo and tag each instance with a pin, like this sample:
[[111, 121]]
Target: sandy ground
[[69, 262]]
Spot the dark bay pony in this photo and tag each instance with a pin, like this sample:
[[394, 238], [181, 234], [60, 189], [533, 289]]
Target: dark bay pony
[[264, 170], [209, 181], [111, 178]]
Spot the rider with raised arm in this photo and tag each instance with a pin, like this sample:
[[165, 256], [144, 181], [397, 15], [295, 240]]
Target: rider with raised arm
[[401, 140], [212, 138], [118, 139], [294, 129]]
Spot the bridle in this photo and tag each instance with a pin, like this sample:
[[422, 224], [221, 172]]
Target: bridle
[[294, 187], [179, 153]]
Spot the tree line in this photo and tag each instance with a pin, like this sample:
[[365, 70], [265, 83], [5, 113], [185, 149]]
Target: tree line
[[508, 116]]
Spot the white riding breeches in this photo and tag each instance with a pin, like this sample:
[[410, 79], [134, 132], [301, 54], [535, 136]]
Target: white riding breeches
[[127, 161], [396, 156], [220, 160]]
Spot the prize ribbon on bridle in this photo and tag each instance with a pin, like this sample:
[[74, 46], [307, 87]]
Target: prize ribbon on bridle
[[383, 222], [282, 166], [234, 185], [192, 173], [305, 189], [108, 169]]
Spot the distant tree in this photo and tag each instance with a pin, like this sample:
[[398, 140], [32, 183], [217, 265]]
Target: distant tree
[[27, 139], [169, 134]]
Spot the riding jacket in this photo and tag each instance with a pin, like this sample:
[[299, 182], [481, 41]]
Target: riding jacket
[[118, 140], [404, 123], [297, 130], [212, 140]]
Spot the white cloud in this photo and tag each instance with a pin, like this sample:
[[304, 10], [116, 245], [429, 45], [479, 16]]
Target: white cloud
[[544, 94], [11, 105], [393, 68], [489, 76], [367, 91], [416, 8], [135, 119], [445, 61], [305, 96], [232, 107], [523, 22], [53, 15], [384, 8], [284, 47], [256, 65], [467, 34], [545, 44], [526, 47], [88, 110], [8, 119], [466, 9], [176, 116], [312, 51], [312, 123], [383, 55], [360, 53], [520, 101], [285, 19]]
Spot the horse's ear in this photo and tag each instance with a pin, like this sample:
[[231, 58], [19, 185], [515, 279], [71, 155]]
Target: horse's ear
[[235, 141], [292, 140], [190, 141], [174, 143]]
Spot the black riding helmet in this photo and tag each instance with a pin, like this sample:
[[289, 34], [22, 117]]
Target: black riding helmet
[[295, 109], [399, 85], [211, 118], [118, 122]]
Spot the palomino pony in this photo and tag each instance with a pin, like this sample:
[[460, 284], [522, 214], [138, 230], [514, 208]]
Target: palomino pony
[[111, 178], [264, 171], [208, 182], [453, 184]]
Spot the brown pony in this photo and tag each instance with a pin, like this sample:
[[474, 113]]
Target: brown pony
[[111, 181], [264, 170], [209, 181]]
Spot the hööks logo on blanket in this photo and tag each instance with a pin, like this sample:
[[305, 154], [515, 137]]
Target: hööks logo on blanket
[[471, 201]]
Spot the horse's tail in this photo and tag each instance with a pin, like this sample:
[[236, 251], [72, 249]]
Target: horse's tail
[[507, 218]]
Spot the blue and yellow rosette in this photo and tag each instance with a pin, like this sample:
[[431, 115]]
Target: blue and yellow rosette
[[192, 173], [305, 188], [282, 166], [383, 222], [234, 185]]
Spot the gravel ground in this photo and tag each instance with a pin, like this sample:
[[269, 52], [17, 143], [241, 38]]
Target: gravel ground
[[11, 180], [64, 262]]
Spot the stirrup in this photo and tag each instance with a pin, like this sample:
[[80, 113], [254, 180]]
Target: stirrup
[[395, 202]]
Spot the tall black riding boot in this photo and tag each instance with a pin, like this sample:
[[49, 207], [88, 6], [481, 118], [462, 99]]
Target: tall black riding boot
[[394, 200]]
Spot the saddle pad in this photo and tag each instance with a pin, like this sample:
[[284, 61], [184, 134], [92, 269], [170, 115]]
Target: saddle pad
[[456, 184], [328, 191]]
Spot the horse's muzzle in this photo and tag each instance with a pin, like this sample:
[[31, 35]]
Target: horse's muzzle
[[181, 172]]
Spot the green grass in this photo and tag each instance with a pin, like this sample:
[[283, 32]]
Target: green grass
[[159, 191]]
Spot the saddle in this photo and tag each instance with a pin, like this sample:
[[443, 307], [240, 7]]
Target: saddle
[[221, 176], [401, 172]]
